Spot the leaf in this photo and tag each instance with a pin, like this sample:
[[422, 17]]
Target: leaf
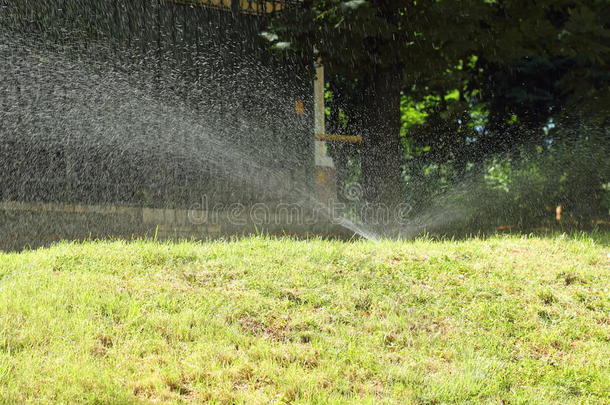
[[269, 36], [353, 4], [282, 46]]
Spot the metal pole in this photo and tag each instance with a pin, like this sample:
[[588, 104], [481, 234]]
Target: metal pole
[[325, 176], [321, 155]]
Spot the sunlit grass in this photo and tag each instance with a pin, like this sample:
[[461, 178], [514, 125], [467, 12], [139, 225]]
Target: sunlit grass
[[502, 320]]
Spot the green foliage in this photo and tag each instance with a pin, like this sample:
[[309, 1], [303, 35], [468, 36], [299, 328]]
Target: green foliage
[[522, 190], [518, 64]]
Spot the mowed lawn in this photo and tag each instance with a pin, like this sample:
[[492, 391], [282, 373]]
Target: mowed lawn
[[506, 320]]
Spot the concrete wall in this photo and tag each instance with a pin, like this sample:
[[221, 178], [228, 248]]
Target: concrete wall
[[30, 225]]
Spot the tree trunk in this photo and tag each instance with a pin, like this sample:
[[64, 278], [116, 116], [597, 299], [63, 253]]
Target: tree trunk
[[382, 155]]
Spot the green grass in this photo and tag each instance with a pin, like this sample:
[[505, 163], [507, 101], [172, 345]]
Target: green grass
[[502, 320]]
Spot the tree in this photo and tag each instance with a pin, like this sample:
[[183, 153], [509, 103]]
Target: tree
[[354, 39], [515, 63], [380, 45]]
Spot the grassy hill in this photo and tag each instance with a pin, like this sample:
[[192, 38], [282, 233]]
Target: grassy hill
[[501, 320]]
